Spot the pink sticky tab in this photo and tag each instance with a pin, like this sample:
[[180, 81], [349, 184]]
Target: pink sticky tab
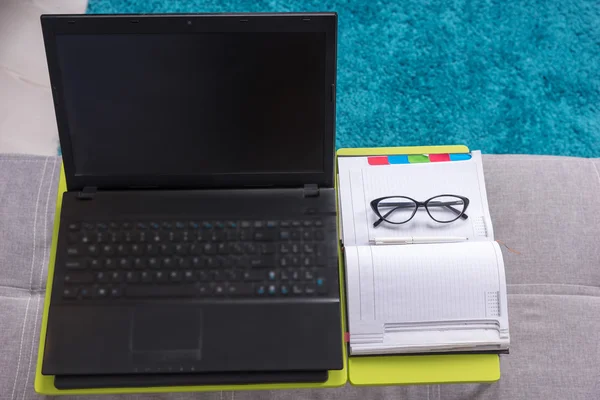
[[439, 157], [378, 161], [346, 337]]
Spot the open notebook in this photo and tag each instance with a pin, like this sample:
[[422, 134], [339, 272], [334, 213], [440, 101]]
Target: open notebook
[[420, 298]]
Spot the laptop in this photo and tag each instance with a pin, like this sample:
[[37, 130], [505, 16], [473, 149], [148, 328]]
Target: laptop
[[197, 240]]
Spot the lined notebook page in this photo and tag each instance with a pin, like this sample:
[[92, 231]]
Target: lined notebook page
[[360, 183], [421, 283]]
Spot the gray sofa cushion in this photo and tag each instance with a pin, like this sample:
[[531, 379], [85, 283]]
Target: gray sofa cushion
[[545, 207]]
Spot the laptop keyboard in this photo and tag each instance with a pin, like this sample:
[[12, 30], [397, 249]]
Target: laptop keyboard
[[154, 259]]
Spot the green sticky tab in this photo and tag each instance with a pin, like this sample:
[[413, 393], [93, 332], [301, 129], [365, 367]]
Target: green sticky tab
[[417, 158]]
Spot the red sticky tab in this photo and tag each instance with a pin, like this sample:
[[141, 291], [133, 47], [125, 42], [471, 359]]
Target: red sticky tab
[[439, 157], [346, 337], [378, 161]]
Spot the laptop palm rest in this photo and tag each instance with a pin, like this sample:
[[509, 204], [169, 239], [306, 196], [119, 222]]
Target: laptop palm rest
[[156, 380]]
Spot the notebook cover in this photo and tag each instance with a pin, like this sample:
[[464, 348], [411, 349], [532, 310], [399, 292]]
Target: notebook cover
[[44, 384], [418, 369]]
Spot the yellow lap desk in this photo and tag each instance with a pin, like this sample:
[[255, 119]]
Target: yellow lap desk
[[360, 371]]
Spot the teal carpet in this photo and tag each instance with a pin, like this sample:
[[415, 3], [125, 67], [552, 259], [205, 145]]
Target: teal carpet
[[520, 76]]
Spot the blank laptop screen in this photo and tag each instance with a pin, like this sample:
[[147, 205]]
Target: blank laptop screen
[[195, 103]]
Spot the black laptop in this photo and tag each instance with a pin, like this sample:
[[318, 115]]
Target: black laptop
[[197, 239]]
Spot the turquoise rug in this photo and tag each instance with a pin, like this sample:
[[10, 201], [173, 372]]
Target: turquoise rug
[[519, 76]]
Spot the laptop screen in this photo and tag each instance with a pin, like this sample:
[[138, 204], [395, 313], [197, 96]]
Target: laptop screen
[[194, 103]]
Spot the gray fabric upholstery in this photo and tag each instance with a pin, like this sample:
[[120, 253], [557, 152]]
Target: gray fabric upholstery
[[545, 207]]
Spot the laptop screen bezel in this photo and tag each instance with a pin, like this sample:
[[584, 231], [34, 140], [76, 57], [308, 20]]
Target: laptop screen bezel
[[53, 25]]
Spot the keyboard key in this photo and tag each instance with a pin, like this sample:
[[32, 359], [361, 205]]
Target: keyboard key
[[264, 236], [253, 276], [231, 224], [189, 276], [124, 263], [250, 248], [70, 293], [94, 263], [260, 290], [75, 264], [101, 277], [92, 249], [74, 226], [88, 226], [154, 225], [108, 250], [182, 262], [146, 276], [153, 262], [203, 276], [116, 292], [116, 276], [319, 235], [181, 249], [195, 249], [132, 276], [139, 263], [296, 224], [268, 248], [245, 224], [297, 290], [167, 262], [85, 292], [318, 223], [175, 276], [73, 251], [137, 249], [262, 262], [272, 290], [101, 292], [101, 226], [284, 275], [209, 248], [310, 289], [271, 275], [295, 234], [272, 224], [307, 223], [160, 276], [79, 277], [321, 286], [239, 289], [166, 249], [285, 224], [309, 275], [197, 262], [110, 263], [307, 235], [284, 290], [284, 235]]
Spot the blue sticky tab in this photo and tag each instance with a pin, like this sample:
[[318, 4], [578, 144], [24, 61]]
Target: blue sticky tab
[[398, 159], [460, 157]]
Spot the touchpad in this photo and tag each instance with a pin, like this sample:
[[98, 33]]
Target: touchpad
[[166, 333]]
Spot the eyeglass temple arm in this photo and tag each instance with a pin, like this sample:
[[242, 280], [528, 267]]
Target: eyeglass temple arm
[[447, 204]]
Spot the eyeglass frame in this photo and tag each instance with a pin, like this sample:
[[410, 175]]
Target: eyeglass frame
[[375, 203]]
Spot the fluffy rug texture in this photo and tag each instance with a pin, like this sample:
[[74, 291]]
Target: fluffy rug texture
[[518, 76]]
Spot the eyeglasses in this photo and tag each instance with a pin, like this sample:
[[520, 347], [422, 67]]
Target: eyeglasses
[[397, 210]]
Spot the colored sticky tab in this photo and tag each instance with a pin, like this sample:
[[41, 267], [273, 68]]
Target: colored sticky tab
[[460, 157], [346, 337], [418, 158], [398, 159], [378, 160], [439, 157]]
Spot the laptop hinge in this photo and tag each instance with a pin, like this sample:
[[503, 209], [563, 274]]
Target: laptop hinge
[[87, 193], [311, 190]]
